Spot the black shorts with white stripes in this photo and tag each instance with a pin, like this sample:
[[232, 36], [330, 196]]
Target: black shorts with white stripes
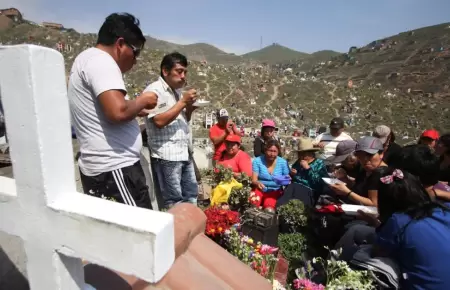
[[126, 185]]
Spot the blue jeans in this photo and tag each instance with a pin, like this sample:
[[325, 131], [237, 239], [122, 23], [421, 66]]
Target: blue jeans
[[176, 181]]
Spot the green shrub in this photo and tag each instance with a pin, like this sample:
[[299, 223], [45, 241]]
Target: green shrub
[[293, 215]]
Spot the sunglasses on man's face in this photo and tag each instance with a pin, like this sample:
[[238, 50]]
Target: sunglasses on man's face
[[136, 51]]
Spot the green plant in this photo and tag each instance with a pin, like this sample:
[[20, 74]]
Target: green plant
[[293, 215], [292, 247], [239, 198], [338, 275], [221, 174], [259, 257]]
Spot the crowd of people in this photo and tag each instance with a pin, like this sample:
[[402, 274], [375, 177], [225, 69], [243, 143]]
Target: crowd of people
[[408, 185]]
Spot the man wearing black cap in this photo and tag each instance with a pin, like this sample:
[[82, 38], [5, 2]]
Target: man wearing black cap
[[328, 141]]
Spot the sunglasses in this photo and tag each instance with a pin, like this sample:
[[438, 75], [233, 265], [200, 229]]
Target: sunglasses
[[136, 51]]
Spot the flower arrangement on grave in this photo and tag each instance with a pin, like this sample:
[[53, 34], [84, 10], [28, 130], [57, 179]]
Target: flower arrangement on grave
[[239, 199], [239, 187], [293, 247], [219, 220], [261, 258], [337, 275], [292, 216]]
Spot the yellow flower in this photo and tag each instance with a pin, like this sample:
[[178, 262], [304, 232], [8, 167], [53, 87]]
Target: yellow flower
[[250, 241]]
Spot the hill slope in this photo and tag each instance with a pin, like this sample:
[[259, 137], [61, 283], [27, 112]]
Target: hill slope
[[195, 51], [304, 98], [274, 53]]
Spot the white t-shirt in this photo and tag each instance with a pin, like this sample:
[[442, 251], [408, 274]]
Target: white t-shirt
[[105, 146], [330, 143]]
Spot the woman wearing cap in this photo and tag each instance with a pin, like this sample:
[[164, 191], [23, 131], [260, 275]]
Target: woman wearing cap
[[234, 158], [220, 131], [267, 133], [308, 170], [392, 150], [364, 190], [265, 168], [429, 137]]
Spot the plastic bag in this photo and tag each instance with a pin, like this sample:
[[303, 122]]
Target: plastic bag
[[221, 192]]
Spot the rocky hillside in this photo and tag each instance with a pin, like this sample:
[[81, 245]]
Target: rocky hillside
[[401, 81], [196, 51], [277, 54]]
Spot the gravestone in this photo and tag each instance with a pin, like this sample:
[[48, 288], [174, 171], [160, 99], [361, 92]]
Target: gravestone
[[58, 225]]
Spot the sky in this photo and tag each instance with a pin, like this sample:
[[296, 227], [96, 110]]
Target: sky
[[236, 26]]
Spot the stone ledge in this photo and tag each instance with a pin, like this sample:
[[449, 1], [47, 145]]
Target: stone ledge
[[200, 263]]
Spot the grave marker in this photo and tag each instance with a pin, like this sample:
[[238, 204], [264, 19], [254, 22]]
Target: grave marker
[[58, 225]]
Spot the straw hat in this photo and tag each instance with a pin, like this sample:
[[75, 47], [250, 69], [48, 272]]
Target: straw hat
[[306, 144]]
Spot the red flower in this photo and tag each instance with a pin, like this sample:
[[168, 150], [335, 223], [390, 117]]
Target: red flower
[[219, 220]]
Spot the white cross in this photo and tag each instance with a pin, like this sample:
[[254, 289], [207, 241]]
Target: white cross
[[58, 225]]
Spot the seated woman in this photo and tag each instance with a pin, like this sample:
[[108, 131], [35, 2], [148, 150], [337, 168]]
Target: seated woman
[[234, 158], [265, 168], [363, 190], [414, 231], [308, 170], [429, 138], [420, 161]]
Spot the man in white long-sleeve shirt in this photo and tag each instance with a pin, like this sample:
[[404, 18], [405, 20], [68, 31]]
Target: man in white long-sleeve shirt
[[328, 141]]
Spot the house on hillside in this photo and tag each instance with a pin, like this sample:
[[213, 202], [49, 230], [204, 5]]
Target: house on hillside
[[53, 25], [12, 13]]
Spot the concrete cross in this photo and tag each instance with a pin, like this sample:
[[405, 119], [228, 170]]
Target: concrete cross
[[58, 225]]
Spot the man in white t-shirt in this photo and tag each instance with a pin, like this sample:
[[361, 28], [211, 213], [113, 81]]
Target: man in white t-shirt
[[104, 117], [328, 141]]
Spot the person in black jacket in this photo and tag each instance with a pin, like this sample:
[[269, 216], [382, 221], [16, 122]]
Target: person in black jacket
[[267, 133], [392, 151], [443, 151]]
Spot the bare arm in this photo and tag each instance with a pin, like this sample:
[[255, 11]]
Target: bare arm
[[219, 139], [119, 110], [163, 119], [255, 178], [442, 194], [371, 201]]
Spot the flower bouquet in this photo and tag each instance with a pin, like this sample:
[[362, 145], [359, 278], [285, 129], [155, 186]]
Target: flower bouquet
[[219, 220], [261, 258]]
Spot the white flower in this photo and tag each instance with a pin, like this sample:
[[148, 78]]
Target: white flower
[[277, 285]]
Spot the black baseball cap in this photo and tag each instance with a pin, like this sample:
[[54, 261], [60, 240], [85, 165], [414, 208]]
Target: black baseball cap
[[337, 123]]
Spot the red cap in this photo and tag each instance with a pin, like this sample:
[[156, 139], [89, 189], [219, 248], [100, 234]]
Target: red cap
[[432, 134], [233, 138]]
